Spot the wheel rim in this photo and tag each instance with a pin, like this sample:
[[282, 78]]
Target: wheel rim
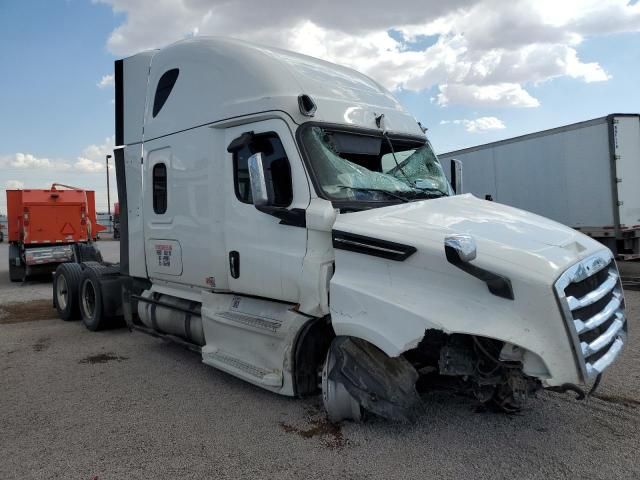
[[338, 403], [88, 299], [62, 292]]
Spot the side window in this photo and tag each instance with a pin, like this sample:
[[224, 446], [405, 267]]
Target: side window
[[160, 188], [165, 85], [278, 169]]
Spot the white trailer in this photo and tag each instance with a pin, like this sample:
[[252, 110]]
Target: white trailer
[[288, 220], [584, 175]]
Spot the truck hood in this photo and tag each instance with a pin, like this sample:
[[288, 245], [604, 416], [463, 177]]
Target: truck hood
[[502, 232]]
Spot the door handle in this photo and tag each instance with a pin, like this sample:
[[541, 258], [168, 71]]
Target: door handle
[[234, 263]]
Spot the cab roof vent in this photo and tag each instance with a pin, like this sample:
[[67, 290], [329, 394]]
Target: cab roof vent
[[307, 105]]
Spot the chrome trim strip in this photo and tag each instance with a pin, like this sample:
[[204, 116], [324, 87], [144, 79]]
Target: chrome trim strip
[[592, 297], [600, 317], [606, 360], [55, 253], [576, 273], [371, 246], [368, 245], [604, 339]]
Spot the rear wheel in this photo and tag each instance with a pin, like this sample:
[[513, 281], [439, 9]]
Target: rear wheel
[[91, 302], [66, 290], [100, 296]]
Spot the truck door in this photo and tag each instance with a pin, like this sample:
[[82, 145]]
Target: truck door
[[264, 254]]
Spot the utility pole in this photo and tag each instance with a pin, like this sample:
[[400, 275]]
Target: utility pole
[[108, 192]]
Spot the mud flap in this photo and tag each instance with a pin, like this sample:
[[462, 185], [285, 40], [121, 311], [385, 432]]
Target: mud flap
[[382, 385]]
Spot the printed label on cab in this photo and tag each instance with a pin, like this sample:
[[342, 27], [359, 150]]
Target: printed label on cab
[[164, 256]]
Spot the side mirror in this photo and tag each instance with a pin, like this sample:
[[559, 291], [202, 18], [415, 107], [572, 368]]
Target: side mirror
[[259, 191], [461, 246], [456, 176]]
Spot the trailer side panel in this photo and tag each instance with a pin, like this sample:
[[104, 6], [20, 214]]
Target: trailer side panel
[[14, 214], [563, 174]]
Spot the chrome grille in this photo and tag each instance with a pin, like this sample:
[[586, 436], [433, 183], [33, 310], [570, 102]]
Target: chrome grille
[[592, 302]]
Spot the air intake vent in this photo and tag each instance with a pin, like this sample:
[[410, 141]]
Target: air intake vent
[[307, 105]]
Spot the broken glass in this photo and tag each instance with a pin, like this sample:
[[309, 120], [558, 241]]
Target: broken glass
[[412, 174]]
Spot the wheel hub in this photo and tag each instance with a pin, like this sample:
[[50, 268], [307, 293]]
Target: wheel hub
[[338, 402], [88, 298], [62, 292]]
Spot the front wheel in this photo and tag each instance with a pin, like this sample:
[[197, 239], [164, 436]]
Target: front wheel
[[338, 402]]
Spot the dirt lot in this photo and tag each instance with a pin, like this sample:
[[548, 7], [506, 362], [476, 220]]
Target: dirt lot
[[120, 405]]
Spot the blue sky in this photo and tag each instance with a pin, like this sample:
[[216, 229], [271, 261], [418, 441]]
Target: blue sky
[[55, 52], [562, 100], [52, 105]]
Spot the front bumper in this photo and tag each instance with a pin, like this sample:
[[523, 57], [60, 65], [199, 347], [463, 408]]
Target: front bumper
[[592, 303]]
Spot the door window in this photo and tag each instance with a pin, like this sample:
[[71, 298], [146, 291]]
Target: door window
[[160, 188], [165, 85], [277, 169]]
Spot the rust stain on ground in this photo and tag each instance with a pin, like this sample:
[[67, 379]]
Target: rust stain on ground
[[330, 434], [42, 344], [102, 358], [27, 311]]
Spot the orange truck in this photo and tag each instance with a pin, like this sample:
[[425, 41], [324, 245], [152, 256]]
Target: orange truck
[[116, 221], [49, 227]]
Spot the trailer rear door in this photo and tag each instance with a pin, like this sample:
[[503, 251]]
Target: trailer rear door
[[626, 139], [55, 224]]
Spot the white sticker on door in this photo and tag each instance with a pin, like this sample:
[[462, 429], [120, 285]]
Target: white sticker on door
[[164, 256]]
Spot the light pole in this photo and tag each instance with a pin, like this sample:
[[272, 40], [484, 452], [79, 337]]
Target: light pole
[[108, 192]]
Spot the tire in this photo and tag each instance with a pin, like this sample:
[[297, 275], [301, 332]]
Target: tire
[[91, 301], [97, 311], [17, 273], [339, 405], [66, 291]]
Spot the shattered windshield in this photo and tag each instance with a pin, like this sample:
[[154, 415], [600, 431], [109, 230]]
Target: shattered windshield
[[357, 167]]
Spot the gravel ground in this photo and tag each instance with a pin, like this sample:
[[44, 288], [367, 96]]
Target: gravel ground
[[120, 405]]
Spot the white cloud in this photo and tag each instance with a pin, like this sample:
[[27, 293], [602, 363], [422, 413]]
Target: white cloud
[[107, 81], [91, 160], [88, 166], [14, 185], [486, 52], [481, 124], [26, 160], [93, 157], [500, 95], [97, 153]]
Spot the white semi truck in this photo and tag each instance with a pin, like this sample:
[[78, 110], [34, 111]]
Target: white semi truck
[[586, 176], [286, 218]]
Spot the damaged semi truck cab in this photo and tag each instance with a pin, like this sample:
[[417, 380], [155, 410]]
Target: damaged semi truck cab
[[288, 219]]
